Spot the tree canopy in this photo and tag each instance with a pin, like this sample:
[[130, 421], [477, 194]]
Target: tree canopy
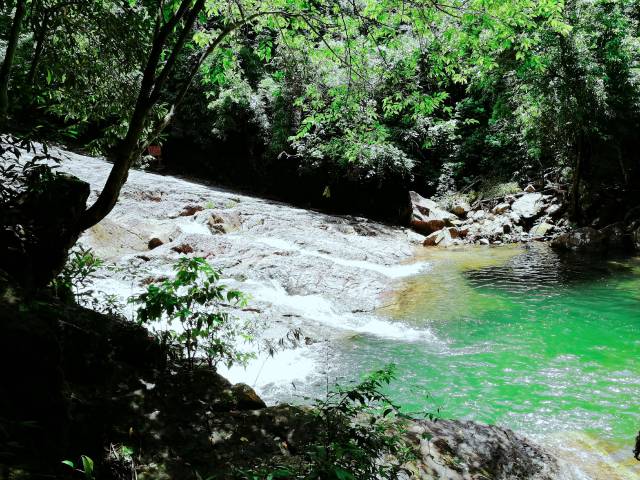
[[422, 93]]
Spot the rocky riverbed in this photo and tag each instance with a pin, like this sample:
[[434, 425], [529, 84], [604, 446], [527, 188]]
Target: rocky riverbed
[[302, 269], [321, 273], [523, 216], [520, 217]]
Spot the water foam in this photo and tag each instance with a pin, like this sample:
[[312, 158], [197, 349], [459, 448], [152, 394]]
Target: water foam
[[321, 310], [265, 371], [391, 271]]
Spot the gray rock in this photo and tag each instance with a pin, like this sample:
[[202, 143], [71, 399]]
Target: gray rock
[[528, 206], [541, 230], [515, 218], [529, 189], [553, 210], [467, 450], [501, 208], [585, 239], [427, 216], [484, 241], [478, 215], [425, 207]]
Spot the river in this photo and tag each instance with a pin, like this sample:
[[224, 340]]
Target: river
[[515, 335]]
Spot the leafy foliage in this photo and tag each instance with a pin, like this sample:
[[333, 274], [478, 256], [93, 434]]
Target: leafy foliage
[[19, 176], [25, 171], [362, 437], [197, 301], [373, 92], [77, 275], [85, 467]]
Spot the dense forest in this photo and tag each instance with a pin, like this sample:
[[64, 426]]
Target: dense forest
[[346, 103], [341, 106]]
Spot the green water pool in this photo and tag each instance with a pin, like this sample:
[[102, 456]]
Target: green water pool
[[544, 344]]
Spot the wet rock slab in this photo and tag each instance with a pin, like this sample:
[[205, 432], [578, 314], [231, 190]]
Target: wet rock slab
[[302, 269]]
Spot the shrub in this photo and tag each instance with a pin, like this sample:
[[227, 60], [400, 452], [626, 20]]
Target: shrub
[[362, 437], [76, 276], [196, 300]]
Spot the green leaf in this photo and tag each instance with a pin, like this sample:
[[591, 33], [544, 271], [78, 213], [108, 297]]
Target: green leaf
[[87, 466]]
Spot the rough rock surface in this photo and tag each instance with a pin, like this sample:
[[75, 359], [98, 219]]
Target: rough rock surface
[[321, 273], [528, 205], [427, 216], [455, 450], [513, 218]]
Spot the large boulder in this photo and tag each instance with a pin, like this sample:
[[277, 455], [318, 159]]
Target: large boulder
[[617, 236], [37, 231], [246, 397], [427, 216], [586, 239], [636, 238], [458, 450], [528, 206]]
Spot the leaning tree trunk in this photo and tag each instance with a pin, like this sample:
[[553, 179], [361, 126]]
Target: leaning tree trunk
[[5, 70], [149, 94]]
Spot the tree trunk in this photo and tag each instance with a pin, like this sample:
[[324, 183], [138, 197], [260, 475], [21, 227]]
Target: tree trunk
[[37, 54], [123, 158], [576, 211], [5, 71], [148, 95]]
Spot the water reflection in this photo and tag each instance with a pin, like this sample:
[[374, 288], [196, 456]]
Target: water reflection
[[539, 268]]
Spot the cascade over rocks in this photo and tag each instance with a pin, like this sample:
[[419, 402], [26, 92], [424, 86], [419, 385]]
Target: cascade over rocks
[[103, 381]]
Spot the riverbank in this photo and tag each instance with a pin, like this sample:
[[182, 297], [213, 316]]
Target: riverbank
[[324, 274], [113, 396]]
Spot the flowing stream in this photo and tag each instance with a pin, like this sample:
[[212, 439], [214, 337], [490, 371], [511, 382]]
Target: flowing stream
[[517, 335], [541, 343]]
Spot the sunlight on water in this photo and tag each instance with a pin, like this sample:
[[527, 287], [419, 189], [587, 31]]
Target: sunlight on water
[[543, 344]]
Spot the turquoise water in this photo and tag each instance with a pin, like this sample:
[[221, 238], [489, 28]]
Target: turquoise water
[[544, 344]]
